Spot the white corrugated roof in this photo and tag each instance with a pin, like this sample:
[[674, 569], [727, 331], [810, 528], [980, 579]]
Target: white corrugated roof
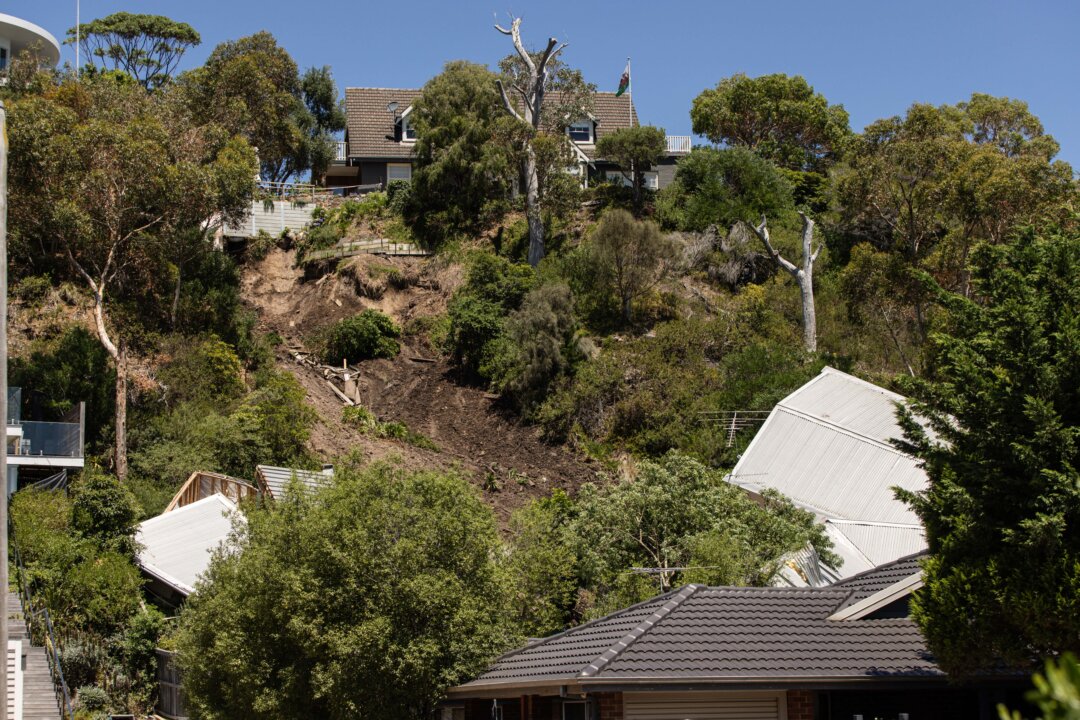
[[826, 446], [176, 546], [277, 478]]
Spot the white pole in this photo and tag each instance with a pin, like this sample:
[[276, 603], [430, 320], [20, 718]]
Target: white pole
[[3, 408]]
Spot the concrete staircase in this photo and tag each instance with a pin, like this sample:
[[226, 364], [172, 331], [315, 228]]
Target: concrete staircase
[[38, 697]]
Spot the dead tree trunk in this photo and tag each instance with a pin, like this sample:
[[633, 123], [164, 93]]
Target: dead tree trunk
[[120, 449], [804, 276], [531, 91]]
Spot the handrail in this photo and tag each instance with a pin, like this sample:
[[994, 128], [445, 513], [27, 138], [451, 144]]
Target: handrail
[[52, 651]]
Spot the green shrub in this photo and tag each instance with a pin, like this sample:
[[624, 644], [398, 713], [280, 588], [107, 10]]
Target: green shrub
[[32, 290], [365, 421], [207, 370], [493, 288], [398, 195], [258, 247], [371, 334], [104, 510], [92, 699]]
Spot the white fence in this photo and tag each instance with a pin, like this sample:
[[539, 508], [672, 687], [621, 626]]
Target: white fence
[[678, 144], [284, 215]]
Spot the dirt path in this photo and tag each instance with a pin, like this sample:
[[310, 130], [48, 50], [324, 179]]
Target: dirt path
[[507, 459]]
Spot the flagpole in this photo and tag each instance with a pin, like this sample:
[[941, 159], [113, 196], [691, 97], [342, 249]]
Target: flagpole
[[629, 91]]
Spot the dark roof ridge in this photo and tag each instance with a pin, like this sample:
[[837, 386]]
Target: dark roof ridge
[[647, 624], [879, 568], [605, 618]]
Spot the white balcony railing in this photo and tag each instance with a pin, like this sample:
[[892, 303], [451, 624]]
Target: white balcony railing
[[678, 144], [341, 152]]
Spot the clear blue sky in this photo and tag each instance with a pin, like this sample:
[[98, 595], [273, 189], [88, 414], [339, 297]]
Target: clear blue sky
[[873, 56]]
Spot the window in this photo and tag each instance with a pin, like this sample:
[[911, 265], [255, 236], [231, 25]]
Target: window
[[581, 131], [3, 58], [576, 710], [398, 171], [650, 180], [408, 134]]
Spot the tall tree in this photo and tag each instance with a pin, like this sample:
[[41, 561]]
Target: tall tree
[[634, 150], [101, 170], [779, 117], [252, 86], [146, 47], [1002, 454], [463, 173], [327, 117], [366, 600], [803, 274], [532, 77]]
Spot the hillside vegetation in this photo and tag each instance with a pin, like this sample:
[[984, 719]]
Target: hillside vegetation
[[535, 420]]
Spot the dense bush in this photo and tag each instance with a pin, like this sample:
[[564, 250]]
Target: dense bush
[[721, 187], [539, 346], [493, 288], [401, 599], [674, 512], [371, 334]]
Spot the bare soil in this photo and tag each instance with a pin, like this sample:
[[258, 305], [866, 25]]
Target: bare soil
[[507, 459]]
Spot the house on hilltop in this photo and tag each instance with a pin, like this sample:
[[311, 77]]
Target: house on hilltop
[[827, 446], [379, 140], [708, 653]]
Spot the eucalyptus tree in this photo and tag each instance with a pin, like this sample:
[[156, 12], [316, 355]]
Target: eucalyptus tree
[[533, 77], [102, 174], [146, 47]]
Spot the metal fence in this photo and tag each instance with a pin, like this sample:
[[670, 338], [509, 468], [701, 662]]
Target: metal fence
[[51, 439]]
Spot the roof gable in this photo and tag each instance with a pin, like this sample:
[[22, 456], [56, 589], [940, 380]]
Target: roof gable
[[730, 634]]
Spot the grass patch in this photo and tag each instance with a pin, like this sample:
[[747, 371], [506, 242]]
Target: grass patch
[[366, 422]]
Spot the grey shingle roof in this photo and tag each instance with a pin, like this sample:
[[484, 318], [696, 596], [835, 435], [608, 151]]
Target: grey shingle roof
[[277, 478], [371, 127], [726, 634], [874, 581]]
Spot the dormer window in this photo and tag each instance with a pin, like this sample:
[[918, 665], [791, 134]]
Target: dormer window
[[408, 133], [581, 131]]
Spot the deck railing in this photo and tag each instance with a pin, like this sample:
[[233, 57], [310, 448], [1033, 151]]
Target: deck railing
[[202, 485], [40, 628], [341, 152], [679, 144], [49, 439]]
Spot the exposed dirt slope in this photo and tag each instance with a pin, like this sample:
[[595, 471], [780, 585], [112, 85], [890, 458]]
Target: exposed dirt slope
[[506, 458]]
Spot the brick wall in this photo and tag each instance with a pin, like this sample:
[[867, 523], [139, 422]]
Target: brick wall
[[800, 704], [610, 705]]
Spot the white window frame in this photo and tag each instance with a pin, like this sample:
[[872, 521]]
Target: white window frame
[[584, 123], [650, 178], [406, 127], [397, 165]]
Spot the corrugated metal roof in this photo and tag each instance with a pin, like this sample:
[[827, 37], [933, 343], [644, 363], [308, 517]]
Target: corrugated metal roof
[[277, 478], [826, 446], [176, 546], [719, 634]]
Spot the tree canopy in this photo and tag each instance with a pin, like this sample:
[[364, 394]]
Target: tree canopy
[[635, 150], [779, 117], [1002, 396], [146, 47], [253, 87], [367, 599], [463, 167]]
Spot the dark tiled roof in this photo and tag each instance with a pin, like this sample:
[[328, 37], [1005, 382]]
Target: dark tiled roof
[[724, 634], [877, 579], [371, 127], [372, 132]]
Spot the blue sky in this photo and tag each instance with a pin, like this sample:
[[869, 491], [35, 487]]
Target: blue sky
[[873, 56]]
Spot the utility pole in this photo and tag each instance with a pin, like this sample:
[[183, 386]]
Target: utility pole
[[3, 406]]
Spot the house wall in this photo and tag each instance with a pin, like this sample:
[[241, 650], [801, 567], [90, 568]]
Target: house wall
[[801, 705], [665, 171], [373, 172], [610, 705]]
